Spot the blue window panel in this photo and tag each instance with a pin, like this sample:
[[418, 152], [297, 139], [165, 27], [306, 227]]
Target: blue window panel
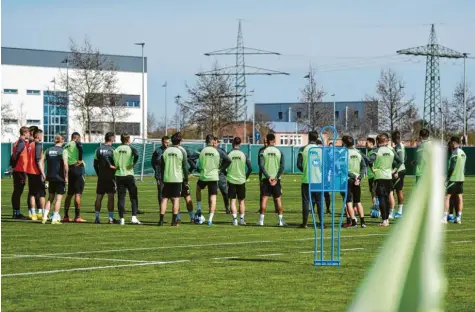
[[10, 91], [33, 92]]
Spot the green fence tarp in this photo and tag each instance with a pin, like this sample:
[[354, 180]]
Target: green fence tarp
[[290, 155]]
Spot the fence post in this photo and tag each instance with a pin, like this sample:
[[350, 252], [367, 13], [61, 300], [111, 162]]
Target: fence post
[[293, 159]]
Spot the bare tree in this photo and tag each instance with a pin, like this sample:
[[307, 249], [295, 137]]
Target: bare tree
[[392, 106], [315, 113], [86, 82], [152, 123], [114, 107], [21, 115], [7, 115], [210, 105], [408, 125], [457, 107]]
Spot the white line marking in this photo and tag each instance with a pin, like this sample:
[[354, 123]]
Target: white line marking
[[208, 245], [76, 258], [225, 258], [346, 249], [269, 255], [93, 268], [460, 242]]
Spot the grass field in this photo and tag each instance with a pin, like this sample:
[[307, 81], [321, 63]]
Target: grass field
[[106, 267]]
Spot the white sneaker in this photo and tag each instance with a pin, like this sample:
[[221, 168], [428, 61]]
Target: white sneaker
[[458, 220], [444, 220], [242, 222], [260, 223], [282, 223], [235, 222], [136, 221], [391, 216], [122, 221]]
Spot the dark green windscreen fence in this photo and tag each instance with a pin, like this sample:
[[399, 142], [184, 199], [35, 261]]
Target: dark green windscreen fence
[[290, 155]]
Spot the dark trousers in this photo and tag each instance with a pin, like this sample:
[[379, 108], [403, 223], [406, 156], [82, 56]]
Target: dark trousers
[[125, 184], [306, 203], [19, 181], [223, 188], [383, 189]]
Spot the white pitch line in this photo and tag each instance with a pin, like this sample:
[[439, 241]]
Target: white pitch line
[[346, 249], [93, 268], [80, 258], [269, 255], [208, 245], [224, 258], [460, 242]]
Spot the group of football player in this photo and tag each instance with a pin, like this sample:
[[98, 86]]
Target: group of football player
[[61, 168]]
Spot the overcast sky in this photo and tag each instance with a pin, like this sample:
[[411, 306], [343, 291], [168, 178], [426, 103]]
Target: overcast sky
[[348, 42]]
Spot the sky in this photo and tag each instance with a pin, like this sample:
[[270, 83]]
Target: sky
[[347, 42]]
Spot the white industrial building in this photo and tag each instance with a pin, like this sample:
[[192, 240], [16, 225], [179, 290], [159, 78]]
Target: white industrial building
[[31, 96]]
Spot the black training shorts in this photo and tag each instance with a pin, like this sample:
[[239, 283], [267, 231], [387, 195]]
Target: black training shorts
[[76, 180], [398, 183], [106, 186], [383, 187], [172, 190], [237, 190], [212, 186], [36, 185], [455, 188], [57, 187], [268, 190], [353, 192]]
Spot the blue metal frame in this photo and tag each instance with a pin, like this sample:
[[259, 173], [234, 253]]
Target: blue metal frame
[[335, 173]]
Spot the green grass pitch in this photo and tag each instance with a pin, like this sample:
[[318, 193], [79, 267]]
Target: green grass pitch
[[199, 268]]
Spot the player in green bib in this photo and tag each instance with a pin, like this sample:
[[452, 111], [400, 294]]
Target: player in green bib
[[237, 174], [271, 164], [421, 153], [72, 153], [210, 162], [302, 165], [384, 163], [455, 178], [173, 165], [356, 172], [398, 184], [125, 158], [370, 146]]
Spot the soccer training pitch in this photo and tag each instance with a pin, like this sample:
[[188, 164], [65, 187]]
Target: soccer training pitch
[[102, 267]]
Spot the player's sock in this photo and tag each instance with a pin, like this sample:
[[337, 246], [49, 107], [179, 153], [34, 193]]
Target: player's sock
[[33, 211], [161, 217], [445, 215], [211, 215], [459, 214], [400, 209], [174, 217], [261, 218], [77, 213], [362, 220], [97, 214], [111, 215], [234, 216], [353, 222], [391, 213], [348, 220], [46, 214], [242, 216], [198, 205], [56, 216], [40, 211], [280, 218], [178, 216]]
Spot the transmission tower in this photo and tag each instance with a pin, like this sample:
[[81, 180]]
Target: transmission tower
[[433, 117], [240, 71]]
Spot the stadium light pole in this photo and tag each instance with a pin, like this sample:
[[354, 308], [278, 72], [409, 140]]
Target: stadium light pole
[[465, 98], [142, 44], [166, 109], [178, 124]]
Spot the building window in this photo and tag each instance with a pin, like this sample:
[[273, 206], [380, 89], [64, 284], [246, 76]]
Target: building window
[[228, 139], [281, 115], [10, 91], [33, 92], [55, 118], [132, 128], [356, 114], [299, 114], [337, 115], [33, 121], [132, 103], [10, 121], [283, 140]]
